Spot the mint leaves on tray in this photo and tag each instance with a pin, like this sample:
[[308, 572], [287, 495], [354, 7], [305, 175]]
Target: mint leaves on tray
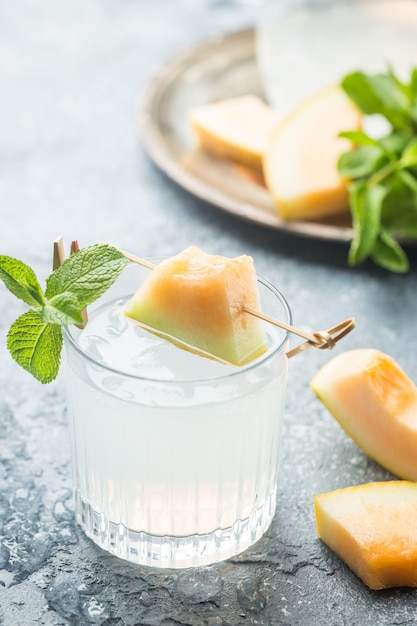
[[35, 338], [383, 171]]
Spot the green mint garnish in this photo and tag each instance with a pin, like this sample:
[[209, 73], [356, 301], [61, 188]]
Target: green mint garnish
[[86, 274], [36, 345], [35, 338], [383, 171], [20, 279]]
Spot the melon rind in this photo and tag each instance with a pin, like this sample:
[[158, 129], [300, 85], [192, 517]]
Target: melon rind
[[373, 528], [375, 403], [197, 298]]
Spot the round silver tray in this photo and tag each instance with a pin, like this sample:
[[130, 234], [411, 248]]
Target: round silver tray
[[218, 68]]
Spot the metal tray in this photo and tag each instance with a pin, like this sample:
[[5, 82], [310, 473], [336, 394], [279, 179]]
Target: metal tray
[[218, 68]]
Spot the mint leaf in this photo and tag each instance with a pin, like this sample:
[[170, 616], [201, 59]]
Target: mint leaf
[[409, 156], [36, 345], [409, 181], [413, 83], [404, 225], [363, 161], [389, 254], [395, 103], [63, 309], [366, 204], [380, 94], [87, 274], [359, 88], [413, 93], [394, 143], [359, 138], [21, 280], [402, 193], [403, 87]]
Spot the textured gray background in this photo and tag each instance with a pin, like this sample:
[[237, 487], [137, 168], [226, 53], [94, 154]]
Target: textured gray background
[[71, 163]]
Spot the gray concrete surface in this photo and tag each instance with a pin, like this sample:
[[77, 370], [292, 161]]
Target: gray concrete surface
[[71, 163]]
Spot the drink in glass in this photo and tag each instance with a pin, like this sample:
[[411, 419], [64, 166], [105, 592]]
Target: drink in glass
[[174, 455]]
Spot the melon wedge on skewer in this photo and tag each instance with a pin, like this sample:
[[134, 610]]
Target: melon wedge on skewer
[[197, 299], [373, 528]]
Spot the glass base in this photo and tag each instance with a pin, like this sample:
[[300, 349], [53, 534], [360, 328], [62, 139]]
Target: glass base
[[174, 552]]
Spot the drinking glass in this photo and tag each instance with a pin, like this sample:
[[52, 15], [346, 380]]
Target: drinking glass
[[174, 461], [304, 46]]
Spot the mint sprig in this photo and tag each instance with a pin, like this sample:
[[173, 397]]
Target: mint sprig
[[35, 337], [383, 170]]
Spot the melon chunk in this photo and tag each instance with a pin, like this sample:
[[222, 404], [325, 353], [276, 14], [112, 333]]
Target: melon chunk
[[237, 128], [375, 402], [373, 528], [197, 298], [300, 163]]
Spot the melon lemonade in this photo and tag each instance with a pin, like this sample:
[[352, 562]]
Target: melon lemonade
[[175, 455]]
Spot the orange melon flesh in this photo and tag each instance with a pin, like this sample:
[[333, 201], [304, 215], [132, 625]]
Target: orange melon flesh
[[196, 298], [300, 163], [373, 528], [237, 128], [375, 402]]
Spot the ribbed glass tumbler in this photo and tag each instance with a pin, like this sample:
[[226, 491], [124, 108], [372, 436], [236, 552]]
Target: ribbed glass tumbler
[[174, 461]]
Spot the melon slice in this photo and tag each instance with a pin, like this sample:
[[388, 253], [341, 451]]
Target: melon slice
[[237, 128], [196, 299], [373, 528], [300, 164], [375, 402]]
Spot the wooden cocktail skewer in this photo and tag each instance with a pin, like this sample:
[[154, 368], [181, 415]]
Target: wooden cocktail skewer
[[74, 247], [325, 339], [138, 260], [59, 254], [59, 258]]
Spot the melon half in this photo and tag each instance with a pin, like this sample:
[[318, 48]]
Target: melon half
[[300, 163], [375, 402], [195, 299]]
